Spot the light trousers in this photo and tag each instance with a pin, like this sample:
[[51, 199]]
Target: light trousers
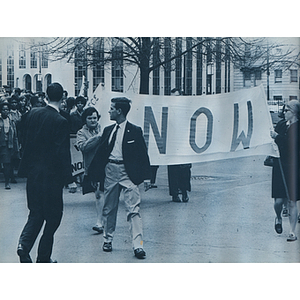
[[118, 185]]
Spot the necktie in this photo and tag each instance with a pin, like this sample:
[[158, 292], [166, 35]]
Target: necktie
[[113, 139]]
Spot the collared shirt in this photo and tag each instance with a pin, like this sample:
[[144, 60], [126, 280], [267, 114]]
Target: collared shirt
[[49, 104], [116, 152]]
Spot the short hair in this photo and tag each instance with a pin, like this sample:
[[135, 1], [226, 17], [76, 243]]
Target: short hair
[[34, 100], [13, 98], [54, 92], [17, 90], [122, 103], [88, 112], [80, 99], [3, 103], [294, 105], [70, 102]]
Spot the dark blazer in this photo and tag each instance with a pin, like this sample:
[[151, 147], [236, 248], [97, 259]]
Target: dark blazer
[[46, 146], [289, 146], [135, 156]]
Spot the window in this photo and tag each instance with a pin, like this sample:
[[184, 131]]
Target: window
[[293, 98], [218, 66], [44, 58], [294, 76], [227, 68], [117, 69], [178, 64], [257, 74], [22, 57], [33, 59], [98, 67], [10, 66], [80, 68], [188, 68], [247, 75], [277, 98], [209, 67], [278, 76], [199, 68], [167, 70], [156, 85]]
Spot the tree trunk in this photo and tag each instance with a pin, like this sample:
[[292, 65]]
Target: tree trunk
[[144, 65], [144, 81]]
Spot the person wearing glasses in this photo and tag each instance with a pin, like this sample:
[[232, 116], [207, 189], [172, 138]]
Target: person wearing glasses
[[288, 144]]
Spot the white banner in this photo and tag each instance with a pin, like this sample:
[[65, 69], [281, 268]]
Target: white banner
[[189, 129]]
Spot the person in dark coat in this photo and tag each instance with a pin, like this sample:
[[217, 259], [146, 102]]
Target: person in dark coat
[[9, 146], [75, 116], [123, 160], [46, 163], [278, 189], [289, 147], [179, 176]]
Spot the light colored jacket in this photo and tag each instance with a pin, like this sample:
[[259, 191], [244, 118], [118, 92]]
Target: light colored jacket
[[88, 142], [12, 135]]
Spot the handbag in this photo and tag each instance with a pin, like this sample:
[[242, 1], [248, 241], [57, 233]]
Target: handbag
[[269, 161], [87, 186]]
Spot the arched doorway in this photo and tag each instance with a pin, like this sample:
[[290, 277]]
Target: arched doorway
[[38, 83], [47, 80], [27, 82]]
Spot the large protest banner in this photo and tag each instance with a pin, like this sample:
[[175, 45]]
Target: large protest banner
[[190, 129]]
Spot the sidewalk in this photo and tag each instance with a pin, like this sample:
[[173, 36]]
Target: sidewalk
[[229, 219]]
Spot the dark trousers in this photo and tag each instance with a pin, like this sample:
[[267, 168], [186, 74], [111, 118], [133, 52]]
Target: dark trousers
[[153, 173], [45, 205], [7, 171], [179, 177]]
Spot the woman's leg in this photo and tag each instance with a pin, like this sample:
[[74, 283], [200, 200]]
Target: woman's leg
[[278, 204], [293, 216], [99, 198]]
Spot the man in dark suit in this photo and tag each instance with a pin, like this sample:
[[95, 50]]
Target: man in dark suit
[[46, 163], [123, 161]]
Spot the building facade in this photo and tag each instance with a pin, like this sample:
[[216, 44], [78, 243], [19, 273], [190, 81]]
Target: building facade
[[206, 69]]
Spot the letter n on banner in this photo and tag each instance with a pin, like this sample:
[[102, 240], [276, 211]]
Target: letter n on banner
[[242, 138], [149, 119]]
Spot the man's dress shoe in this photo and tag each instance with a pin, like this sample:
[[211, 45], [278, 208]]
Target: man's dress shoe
[[99, 229], [139, 253], [23, 254], [176, 198], [107, 247], [46, 261], [185, 197]]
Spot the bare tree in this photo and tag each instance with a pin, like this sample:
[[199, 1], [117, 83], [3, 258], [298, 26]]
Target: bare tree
[[151, 53]]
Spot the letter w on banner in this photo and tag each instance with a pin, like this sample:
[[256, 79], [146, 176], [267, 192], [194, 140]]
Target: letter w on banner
[[189, 129]]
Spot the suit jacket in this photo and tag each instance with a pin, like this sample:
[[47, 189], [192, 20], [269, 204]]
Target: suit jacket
[[289, 147], [135, 156], [46, 153]]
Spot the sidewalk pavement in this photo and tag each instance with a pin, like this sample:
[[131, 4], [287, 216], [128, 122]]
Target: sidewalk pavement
[[229, 219]]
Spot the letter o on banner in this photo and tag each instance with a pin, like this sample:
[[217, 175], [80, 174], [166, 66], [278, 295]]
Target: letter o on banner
[[193, 125]]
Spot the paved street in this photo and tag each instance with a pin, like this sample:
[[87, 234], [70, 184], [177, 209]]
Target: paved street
[[229, 219]]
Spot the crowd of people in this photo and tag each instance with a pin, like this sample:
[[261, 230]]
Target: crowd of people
[[36, 144], [14, 108]]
